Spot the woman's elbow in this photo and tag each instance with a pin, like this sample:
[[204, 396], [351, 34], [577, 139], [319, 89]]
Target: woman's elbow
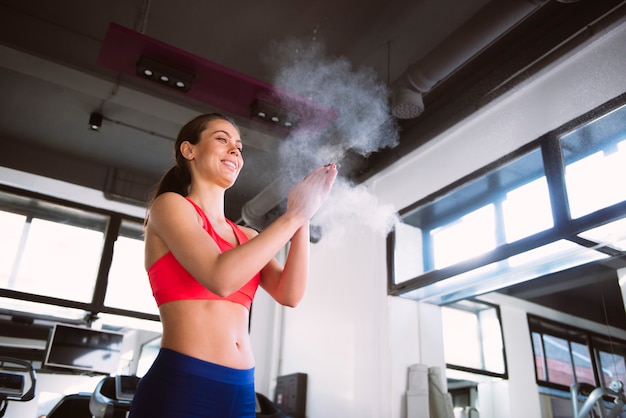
[[221, 288], [290, 302]]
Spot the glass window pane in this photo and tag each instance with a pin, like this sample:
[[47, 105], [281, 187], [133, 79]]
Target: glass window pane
[[582, 364], [612, 234], [526, 210], [473, 336], [128, 286], [491, 340], [12, 227], [539, 357], [59, 260], [560, 370], [147, 356], [461, 338], [595, 163], [476, 218], [408, 252], [467, 237], [612, 368], [50, 249]]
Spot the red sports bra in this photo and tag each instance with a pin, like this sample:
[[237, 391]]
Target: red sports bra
[[170, 281]]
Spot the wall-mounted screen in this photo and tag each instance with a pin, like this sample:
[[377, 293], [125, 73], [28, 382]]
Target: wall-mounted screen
[[81, 348]]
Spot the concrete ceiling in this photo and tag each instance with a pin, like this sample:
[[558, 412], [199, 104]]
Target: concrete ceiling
[[342, 55], [52, 81]]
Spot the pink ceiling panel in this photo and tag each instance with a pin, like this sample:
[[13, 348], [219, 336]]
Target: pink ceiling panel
[[213, 84]]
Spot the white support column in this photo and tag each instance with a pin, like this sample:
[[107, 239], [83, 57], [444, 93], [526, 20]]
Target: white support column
[[621, 279]]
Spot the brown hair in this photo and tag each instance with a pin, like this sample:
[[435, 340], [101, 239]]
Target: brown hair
[[178, 178]]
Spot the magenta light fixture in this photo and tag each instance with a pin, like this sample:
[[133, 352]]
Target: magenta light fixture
[[134, 54]]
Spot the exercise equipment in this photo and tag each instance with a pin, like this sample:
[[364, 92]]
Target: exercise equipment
[[13, 375], [595, 404], [112, 396]]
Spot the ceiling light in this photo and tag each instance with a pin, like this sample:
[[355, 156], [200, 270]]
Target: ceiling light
[[164, 74], [273, 113], [129, 52], [95, 121], [407, 103]]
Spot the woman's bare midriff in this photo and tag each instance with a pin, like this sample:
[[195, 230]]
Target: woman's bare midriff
[[211, 330]]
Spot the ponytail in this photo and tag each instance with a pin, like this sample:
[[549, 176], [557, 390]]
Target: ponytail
[[176, 180]]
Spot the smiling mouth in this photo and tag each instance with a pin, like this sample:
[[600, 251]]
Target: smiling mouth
[[230, 164]]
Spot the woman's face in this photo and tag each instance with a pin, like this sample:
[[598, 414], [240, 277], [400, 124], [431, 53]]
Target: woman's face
[[218, 154]]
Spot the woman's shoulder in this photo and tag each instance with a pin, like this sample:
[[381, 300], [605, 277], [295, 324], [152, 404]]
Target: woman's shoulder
[[167, 197], [169, 204]]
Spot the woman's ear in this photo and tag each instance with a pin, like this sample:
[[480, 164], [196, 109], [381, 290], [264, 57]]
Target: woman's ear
[[186, 149]]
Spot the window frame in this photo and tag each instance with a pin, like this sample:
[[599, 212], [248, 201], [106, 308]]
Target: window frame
[[592, 340], [505, 373], [112, 231], [564, 226]]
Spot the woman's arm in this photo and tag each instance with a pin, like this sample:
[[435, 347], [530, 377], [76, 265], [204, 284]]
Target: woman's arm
[[286, 285], [175, 221]]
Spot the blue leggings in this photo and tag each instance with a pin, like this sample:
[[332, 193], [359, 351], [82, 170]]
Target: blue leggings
[[181, 386]]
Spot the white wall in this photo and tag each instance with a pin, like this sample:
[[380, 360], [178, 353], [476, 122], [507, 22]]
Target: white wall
[[354, 342], [345, 309]]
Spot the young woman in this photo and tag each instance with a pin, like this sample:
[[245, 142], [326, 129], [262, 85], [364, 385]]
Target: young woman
[[204, 271]]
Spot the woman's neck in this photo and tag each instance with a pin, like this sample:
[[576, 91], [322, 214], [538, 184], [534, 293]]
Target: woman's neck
[[211, 200]]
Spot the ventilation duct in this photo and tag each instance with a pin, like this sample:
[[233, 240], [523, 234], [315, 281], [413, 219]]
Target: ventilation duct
[[263, 208], [269, 204], [483, 28], [489, 23]]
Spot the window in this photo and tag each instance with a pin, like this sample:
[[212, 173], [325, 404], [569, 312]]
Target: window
[[472, 337], [70, 262], [148, 354], [51, 250], [565, 355], [611, 357], [526, 210], [449, 243], [556, 203], [595, 164], [128, 286]]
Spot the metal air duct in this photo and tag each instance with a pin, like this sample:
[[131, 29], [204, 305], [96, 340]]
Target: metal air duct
[[263, 208], [483, 28], [269, 204]]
